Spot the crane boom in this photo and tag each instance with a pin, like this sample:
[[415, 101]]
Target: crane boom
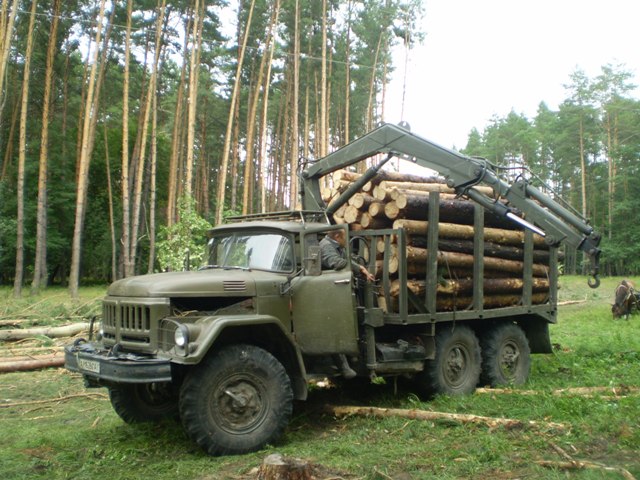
[[538, 211]]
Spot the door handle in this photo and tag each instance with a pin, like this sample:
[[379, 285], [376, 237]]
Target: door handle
[[342, 282]]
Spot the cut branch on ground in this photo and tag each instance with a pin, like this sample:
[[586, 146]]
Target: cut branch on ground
[[491, 422]]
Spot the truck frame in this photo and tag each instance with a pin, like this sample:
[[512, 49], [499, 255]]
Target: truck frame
[[229, 347]]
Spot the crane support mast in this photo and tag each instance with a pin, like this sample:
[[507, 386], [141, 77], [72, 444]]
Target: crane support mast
[[536, 210]]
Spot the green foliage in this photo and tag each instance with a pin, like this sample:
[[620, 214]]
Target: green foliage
[[180, 246]]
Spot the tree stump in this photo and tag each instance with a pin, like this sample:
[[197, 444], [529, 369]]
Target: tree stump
[[278, 467]]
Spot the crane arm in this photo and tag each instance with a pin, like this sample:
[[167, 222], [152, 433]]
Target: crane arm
[[540, 213]]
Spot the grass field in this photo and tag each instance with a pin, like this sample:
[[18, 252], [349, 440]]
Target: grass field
[[52, 427]]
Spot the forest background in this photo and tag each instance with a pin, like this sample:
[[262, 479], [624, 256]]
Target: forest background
[[128, 128]]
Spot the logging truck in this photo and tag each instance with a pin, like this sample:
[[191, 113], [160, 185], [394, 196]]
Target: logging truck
[[465, 289]]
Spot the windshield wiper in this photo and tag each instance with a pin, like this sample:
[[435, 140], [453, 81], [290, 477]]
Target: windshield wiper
[[235, 267]]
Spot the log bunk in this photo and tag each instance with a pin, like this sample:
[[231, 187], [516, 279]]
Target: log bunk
[[514, 265]]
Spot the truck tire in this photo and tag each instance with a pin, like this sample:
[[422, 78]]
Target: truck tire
[[455, 370], [236, 401], [506, 356], [144, 402]]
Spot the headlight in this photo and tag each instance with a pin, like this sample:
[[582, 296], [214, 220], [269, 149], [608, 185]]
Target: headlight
[[181, 336]]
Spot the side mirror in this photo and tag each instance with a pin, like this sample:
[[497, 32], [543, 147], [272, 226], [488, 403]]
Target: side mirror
[[312, 263]]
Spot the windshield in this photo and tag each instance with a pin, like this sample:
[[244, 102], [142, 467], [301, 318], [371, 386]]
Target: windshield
[[262, 251]]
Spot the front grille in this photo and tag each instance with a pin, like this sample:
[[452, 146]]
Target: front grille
[[130, 322]]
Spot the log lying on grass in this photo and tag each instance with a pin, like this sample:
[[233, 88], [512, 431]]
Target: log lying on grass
[[51, 332], [491, 422], [25, 363]]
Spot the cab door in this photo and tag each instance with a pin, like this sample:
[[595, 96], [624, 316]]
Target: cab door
[[324, 311]]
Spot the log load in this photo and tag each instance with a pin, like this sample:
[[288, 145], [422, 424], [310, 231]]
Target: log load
[[402, 201]]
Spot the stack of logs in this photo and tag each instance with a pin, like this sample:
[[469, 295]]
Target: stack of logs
[[401, 201]]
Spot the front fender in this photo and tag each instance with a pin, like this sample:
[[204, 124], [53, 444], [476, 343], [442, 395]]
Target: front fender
[[264, 331], [211, 328]]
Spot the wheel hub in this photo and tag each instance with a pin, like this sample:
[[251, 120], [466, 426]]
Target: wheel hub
[[455, 365], [239, 405], [509, 357]]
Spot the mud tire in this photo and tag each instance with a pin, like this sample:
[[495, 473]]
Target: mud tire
[[506, 356], [236, 401], [455, 370], [141, 403]]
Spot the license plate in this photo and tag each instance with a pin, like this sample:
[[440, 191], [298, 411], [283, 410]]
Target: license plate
[[89, 365]]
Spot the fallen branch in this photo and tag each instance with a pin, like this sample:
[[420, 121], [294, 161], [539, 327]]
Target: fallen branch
[[583, 465], [51, 332], [619, 391], [571, 302], [55, 400], [571, 464], [491, 422]]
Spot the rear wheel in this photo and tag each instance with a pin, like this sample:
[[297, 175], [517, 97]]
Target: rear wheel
[[455, 370], [144, 402], [236, 401], [506, 356]]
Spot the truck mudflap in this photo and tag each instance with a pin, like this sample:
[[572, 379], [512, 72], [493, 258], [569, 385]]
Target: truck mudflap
[[109, 366]]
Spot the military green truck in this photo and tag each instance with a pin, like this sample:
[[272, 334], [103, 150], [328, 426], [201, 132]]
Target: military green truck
[[229, 347]]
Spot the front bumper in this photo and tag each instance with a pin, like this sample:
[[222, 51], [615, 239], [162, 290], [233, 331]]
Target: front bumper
[[107, 366]]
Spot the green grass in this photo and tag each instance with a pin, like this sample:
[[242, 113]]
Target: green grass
[[82, 438]]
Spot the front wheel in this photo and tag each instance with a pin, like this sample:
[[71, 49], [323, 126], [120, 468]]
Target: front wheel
[[236, 401], [506, 356], [144, 402], [455, 370]]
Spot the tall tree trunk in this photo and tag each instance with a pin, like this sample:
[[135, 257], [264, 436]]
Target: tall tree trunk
[[176, 137], [263, 161], [347, 86], [235, 154], [112, 225], [193, 96], [372, 85], [323, 84], [295, 129], [151, 91], [8, 154], [152, 184], [248, 183], [17, 284], [83, 169], [6, 31], [126, 207], [40, 267], [222, 178]]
